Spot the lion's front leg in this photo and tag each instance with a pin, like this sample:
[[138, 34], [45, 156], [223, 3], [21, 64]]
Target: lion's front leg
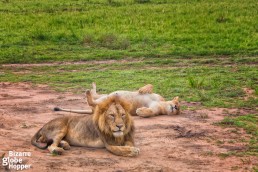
[[129, 143], [145, 112], [123, 150]]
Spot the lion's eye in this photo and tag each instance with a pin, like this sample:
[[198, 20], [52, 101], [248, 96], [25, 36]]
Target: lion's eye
[[175, 107], [112, 116]]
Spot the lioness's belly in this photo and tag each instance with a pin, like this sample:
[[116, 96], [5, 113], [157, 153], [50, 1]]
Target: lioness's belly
[[137, 100]]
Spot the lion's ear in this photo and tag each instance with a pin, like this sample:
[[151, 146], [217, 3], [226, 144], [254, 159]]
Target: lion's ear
[[104, 105], [176, 99], [125, 104]]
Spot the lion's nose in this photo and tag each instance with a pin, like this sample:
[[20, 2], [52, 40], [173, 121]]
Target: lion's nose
[[119, 125]]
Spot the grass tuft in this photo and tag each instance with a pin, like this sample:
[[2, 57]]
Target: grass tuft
[[195, 82], [222, 19], [88, 40]]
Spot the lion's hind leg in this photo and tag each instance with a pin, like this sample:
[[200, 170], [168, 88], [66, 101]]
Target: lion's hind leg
[[64, 144], [53, 148], [147, 89], [94, 93], [42, 139], [90, 99]]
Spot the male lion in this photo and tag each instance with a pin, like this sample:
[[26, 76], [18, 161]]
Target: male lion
[[144, 102], [110, 126]]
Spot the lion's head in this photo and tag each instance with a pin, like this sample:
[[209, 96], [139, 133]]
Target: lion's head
[[112, 117], [173, 107]]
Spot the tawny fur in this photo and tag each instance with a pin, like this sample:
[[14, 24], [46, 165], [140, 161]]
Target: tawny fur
[[111, 126], [144, 102]]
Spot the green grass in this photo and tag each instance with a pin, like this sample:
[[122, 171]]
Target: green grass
[[250, 124], [201, 50], [211, 84], [35, 31]]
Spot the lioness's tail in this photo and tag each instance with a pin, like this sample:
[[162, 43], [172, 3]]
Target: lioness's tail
[[73, 110], [36, 137]]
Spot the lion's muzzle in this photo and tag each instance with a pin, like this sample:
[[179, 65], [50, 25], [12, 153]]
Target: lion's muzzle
[[118, 132]]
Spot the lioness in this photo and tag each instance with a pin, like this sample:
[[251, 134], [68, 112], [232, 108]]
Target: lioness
[[110, 126], [144, 102]]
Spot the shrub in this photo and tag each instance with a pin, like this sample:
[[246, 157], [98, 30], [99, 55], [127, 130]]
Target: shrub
[[88, 40], [108, 40], [141, 1]]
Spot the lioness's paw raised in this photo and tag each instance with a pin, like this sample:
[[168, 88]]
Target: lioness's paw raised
[[87, 92], [147, 89], [134, 151]]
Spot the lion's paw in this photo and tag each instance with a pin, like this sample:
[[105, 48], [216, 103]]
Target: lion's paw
[[139, 111], [56, 150], [88, 92], [143, 112], [147, 89], [134, 151], [64, 145]]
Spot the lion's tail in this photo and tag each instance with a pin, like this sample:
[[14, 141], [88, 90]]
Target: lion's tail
[[36, 137], [73, 110]]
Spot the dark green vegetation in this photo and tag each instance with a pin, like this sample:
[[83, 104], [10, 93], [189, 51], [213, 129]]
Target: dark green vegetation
[[250, 124], [34, 31]]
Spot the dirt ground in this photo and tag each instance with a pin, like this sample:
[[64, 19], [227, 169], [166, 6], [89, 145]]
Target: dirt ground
[[188, 142]]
